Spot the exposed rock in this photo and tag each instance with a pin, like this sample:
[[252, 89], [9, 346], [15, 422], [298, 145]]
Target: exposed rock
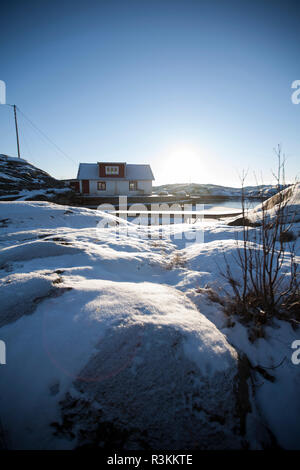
[[169, 402], [285, 204], [20, 179], [242, 221]]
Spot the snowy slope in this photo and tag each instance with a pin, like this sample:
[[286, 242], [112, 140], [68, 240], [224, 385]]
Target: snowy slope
[[110, 343], [288, 199], [21, 180]]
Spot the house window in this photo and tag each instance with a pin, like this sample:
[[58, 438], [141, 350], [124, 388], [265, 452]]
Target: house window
[[111, 170], [132, 185], [101, 186]]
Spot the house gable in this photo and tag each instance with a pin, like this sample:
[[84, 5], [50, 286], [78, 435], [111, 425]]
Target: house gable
[[111, 170]]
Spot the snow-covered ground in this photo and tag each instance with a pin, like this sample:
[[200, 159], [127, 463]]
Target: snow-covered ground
[[110, 341]]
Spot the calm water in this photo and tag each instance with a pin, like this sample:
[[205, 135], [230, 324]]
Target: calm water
[[235, 204], [216, 207]]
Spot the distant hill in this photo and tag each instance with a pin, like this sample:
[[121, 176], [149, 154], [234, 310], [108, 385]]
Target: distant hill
[[194, 189], [20, 180]]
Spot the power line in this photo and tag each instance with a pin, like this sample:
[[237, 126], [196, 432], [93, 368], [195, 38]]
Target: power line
[[45, 136]]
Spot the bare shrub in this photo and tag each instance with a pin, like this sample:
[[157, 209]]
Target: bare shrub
[[214, 294], [268, 285], [175, 260]]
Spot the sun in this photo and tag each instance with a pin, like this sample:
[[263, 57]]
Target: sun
[[180, 163]]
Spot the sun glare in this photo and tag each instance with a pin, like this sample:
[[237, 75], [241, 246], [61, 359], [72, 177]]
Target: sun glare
[[181, 163]]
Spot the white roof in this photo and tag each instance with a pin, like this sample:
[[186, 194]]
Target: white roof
[[90, 171]]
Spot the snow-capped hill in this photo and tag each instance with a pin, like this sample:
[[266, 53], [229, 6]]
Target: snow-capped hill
[[12, 159], [193, 189], [22, 180]]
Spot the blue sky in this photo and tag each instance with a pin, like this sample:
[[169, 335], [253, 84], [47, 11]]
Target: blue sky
[[199, 89]]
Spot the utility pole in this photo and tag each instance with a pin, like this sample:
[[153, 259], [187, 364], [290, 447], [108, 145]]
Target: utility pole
[[17, 133]]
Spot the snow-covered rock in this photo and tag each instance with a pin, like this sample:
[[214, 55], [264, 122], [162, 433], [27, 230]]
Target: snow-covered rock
[[285, 203], [21, 180], [141, 359], [163, 193]]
